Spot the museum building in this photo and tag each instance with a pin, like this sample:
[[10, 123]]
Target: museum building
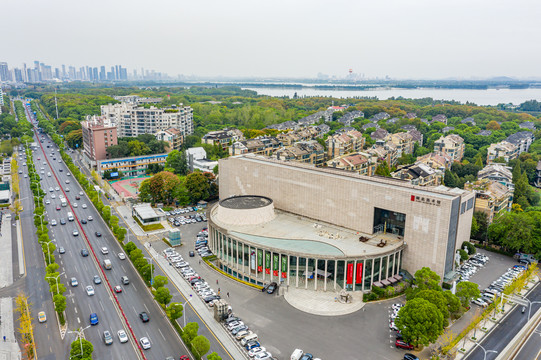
[[327, 229]]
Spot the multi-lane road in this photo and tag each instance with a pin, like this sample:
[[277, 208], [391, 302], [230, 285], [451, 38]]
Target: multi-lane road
[[134, 298]]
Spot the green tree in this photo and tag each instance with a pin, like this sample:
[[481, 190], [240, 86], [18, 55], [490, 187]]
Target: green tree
[[75, 351], [214, 356], [190, 331], [474, 227], [160, 281], [198, 186], [420, 322], [467, 291], [175, 310], [176, 162], [59, 303], [437, 298], [163, 296], [453, 303], [383, 170], [201, 345], [161, 188], [426, 279], [463, 254]]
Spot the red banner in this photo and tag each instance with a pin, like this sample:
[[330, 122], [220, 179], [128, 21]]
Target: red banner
[[359, 274], [259, 268], [275, 272], [267, 271], [284, 275], [349, 274]]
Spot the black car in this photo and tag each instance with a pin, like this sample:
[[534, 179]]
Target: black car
[[238, 329], [410, 357], [211, 297], [144, 317], [192, 254], [98, 234], [62, 222], [83, 221], [84, 252], [272, 288]]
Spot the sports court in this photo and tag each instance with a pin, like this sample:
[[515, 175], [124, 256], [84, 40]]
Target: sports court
[[128, 187]]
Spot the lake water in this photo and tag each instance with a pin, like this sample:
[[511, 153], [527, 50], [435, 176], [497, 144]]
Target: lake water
[[479, 97]]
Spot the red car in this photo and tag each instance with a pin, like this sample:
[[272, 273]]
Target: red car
[[403, 345], [184, 357], [58, 208], [118, 289]]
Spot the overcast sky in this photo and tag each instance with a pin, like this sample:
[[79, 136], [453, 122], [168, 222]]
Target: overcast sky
[[293, 38]]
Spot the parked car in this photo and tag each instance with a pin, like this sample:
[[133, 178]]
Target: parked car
[[403, 345]]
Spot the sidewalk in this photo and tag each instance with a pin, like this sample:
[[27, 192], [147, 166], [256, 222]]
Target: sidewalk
[[125, 213], [198, 306], [6, 270], [9, 349]]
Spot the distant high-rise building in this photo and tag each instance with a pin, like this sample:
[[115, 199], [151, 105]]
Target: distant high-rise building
[[25, 73], [18, 75], [64, 74], [4, 72], [103, 74], [123, 73]]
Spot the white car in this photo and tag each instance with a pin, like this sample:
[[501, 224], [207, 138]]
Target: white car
[[104, 250], [256, 351], [47, 202], [89, 290], [84, 206], [263, 356], [121, 256], [53, 222], [68, 174], [145, 343], [122, 337], [90, 218], [53, 196], [480, 302], [57, 188], [67, 181], [75, 205]]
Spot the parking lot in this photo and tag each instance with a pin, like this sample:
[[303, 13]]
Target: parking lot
[[282, 328]]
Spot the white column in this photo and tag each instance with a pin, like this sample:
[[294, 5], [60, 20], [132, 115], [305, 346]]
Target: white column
[[335, 271], [325, 284], [306, 274], [354, 275], [288, 268], [372, 273], [297, 273]]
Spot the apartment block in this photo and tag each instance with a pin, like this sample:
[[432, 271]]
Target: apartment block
[[172, 136], [98, 134], [344, 143], [222, 138], [522, 140], [132, 120], [131, 166], [497, 172], [304, 134], [264, 145], [403, 141], [419, 174], [385, 152], [491, 197], [310, 152], [452, 145], [362, 163], [436, 160], [502, 150]]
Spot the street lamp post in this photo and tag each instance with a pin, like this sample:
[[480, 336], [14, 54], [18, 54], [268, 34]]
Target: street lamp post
[[184, 311], [41, 218], [80, 334], [56, 279], [48, 252], [485, 351]]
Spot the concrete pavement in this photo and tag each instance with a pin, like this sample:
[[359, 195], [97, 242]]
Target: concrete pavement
[[6, 273], [9, 348]]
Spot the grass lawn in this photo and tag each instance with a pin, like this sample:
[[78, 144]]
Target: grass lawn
[[150, 227]]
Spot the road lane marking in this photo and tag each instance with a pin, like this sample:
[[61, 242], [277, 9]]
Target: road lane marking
[[72, 300], [134, 287], [78, 320], [75, 308], [102, 308], [122, 266], [146, 307], [161, 334]]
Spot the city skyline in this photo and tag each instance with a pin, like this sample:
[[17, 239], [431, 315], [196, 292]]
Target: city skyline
[[420, 40]]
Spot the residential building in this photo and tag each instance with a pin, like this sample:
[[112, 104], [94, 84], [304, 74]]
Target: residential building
[[98, 134], [310, 152], [419, 174], [345, 143], [484, 133], [322, 129], [172, 136], [416, 136], [452, 145], [196, 159], [132, 120], [522, 140], [527, 125], [380, 116], [403, 141], [323, 229], [436, 160], [369, 126], [497, 172], [409, 127], [223, 137], [132, 165], [411, 116], [439, 118], [286, 125], [502, 150], [491, 198], [362, 163], [264, 145], [137, 100], [468, 120], [302, 134], [384, 152], [379, 134], [349, 117], [446, 129]]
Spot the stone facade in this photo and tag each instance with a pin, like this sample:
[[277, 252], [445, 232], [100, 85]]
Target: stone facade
[[434, 222]]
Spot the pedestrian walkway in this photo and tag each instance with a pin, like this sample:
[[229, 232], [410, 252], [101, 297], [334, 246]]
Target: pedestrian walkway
[[198, 306], [324, 303], [6, 270], [9, 348]]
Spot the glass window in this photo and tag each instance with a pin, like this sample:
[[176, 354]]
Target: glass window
[[383, 268], [377, 262], [292, 266], [234, 251], [340, 274], [359, 272], [391, 265], [368, 273]]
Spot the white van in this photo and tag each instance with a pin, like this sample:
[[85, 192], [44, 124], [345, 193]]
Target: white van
[[297, 354], [70, 217], [107, 264], [247, 339]]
